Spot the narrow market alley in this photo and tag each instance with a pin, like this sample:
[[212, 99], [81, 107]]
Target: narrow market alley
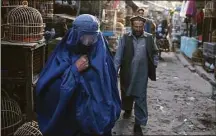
[[179, 103], [59, 60]]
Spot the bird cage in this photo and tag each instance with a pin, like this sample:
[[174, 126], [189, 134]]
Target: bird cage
[[28, 129], [210, 9], [11, 116], [45, 7], [25, 24], [11, 3]]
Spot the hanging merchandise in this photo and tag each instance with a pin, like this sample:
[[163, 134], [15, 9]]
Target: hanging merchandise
[[184, 8], [191, 9], [199, 21]]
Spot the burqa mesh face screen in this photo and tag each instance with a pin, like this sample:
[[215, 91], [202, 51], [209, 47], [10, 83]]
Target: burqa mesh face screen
[[88, 39]]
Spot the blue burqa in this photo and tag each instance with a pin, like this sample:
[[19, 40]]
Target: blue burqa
[[69, 102]]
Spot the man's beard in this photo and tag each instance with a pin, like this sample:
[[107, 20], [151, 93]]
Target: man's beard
[[137, 33]]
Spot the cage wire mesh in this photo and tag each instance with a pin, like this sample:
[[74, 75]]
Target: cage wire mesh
[[45, 7], [210, 9], [28, 129], [25, 24], [11, 116], [11, 2]]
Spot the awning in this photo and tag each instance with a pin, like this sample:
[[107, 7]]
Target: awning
[[157, 5], [140, 4]]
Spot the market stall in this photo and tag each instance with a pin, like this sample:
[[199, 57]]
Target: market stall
[[209, 31], [113, 22], [24, 40], [189, 42]]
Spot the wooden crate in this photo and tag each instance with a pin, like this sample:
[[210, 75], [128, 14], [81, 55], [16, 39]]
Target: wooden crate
[[21, 65]]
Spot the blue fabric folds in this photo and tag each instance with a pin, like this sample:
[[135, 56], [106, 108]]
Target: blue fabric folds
[[69, 102]]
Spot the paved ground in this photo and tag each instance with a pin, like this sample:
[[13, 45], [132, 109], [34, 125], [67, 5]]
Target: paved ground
[[178, 102]]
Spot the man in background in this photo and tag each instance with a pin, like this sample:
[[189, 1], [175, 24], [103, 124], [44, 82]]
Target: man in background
[[137, 59], [150, 26]]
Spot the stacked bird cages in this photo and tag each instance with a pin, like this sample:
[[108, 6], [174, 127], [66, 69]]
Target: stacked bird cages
[[45, 7], [6, 6], [11, 115], [209, 52], [21, 65], [120, 19], [25, 24], [210, 9], [209, 49], [23, 54], [11, 3], [28, 129], [109, 19]]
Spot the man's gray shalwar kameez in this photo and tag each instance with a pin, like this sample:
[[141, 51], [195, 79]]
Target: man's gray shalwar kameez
[[137, 90]]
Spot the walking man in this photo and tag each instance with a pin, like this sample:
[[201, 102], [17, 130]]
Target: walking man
[[137, 58]]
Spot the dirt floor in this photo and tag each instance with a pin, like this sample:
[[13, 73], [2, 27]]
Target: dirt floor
[[179, 103]]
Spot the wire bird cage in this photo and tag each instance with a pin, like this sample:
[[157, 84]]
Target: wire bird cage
[[45, 7], [210, 9], [11, 3], [25, 24], [28, 129], [11, 116]]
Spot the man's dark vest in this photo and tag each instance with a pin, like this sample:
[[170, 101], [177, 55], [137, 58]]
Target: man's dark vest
[[127, 57]]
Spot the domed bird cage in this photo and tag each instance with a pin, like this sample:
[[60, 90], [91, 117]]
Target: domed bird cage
[[11, 116], [25, 24], [28, 129]]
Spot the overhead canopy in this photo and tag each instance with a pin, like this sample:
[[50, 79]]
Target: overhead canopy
[[157, 5], [140, 4]]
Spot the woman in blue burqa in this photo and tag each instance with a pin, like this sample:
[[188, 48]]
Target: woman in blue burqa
[[77, 92]]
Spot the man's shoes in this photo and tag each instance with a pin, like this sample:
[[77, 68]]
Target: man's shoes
[[127, 114], [138, 130]]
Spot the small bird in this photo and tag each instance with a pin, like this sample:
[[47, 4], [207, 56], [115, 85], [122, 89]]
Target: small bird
[[49, 35]]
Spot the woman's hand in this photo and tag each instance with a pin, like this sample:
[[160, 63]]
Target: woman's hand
[[82, 63]]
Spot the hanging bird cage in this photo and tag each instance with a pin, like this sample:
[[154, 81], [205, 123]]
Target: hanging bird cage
[[28, 129], [25, 24], [11, 116]]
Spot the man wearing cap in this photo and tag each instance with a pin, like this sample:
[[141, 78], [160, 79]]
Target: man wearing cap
[[149, 24], [137, 58]]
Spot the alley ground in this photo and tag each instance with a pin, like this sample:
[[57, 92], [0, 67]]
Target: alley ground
[[179, 102]]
